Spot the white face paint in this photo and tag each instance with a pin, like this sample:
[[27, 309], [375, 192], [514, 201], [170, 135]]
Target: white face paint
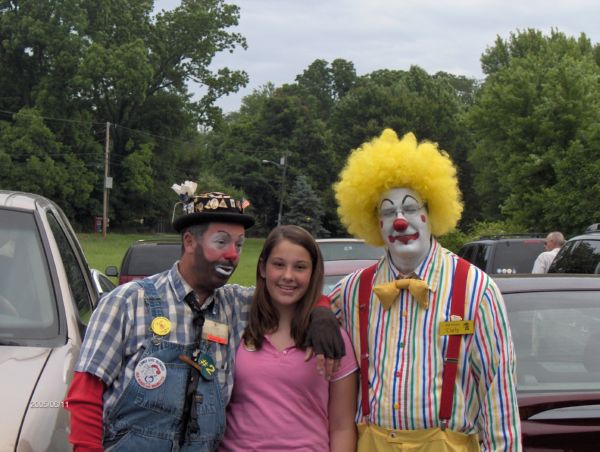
[[404, 227], [219, 251]]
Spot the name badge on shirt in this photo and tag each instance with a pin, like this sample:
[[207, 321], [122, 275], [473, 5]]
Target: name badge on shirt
[[456, 327], [215, 332]]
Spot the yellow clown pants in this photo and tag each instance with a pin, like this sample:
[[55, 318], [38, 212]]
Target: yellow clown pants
[[376, 439]]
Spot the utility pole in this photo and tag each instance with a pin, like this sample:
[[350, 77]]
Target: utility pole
[[105, 181], [283, 165]]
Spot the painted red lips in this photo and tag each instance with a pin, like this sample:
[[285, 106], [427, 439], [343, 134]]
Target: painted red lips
[[403, 238]]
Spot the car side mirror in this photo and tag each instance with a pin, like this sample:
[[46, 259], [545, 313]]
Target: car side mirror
[[111, 270]]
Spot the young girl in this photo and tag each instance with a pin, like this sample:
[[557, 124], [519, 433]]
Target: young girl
[[279, 401]]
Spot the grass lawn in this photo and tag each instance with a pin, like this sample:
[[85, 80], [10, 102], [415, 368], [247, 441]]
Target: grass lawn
[[103, 252]]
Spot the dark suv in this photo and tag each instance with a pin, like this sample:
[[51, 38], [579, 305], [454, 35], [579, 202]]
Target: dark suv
[[504, 254], [580, 254], [146, 257]]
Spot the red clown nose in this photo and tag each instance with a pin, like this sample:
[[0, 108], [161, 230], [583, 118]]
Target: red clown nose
[[400, 224]]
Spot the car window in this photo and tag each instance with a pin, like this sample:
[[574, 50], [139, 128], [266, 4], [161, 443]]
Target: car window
[[329, 282], [105, 284], [556, 337], [28, 309], [333, 251], [516, 256], [467, 252], [150, 259], [578, 256], [75, 276], [481, 257]]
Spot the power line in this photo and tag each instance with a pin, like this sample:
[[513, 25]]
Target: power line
[[49, 118], [75, 121], [143, 132]]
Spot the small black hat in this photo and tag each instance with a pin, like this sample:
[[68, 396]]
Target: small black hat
[[212, 207]]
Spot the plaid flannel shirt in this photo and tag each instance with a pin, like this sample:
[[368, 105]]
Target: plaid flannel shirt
[[120, 325]]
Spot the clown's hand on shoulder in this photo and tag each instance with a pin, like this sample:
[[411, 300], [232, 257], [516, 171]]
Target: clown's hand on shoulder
[[323, 335]]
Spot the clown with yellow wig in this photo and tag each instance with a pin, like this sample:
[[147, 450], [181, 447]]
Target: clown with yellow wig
[[430, 330]]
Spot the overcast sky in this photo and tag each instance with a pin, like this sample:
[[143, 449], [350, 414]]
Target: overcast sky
[[285, 36]]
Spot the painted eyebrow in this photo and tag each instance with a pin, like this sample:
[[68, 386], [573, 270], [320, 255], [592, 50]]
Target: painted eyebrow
[[220, 233], [402, 202], [228, 234]]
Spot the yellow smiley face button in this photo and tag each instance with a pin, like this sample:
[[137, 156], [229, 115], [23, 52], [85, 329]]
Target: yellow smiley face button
[[160, 326]]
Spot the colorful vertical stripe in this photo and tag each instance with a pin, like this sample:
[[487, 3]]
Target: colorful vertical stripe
[[406, 354]]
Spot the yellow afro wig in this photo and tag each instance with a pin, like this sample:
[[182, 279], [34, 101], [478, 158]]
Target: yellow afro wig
[[385, 163]]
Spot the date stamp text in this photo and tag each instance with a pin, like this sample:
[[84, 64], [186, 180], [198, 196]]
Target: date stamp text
[[48, 404]]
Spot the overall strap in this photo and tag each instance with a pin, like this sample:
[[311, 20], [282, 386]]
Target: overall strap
[[457, 308], [151, 297], [365, 287]]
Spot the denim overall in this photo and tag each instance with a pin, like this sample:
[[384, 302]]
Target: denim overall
[[151, 419]]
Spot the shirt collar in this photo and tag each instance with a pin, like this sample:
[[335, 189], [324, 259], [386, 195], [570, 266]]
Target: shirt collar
[[428, 270], [178, 284], [182, 289]]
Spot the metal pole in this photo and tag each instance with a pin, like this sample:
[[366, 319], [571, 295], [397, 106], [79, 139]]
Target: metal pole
[[105, 197], [283, 163]]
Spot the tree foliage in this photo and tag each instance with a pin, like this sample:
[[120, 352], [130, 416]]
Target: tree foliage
[[95, 62], [534, 123], [525, 140], [318, 120], [305, 209]]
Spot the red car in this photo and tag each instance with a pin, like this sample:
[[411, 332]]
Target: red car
[[555, 324], [146, 257]]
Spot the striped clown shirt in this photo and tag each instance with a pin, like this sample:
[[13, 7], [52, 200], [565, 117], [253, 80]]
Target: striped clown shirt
[[406, 354]]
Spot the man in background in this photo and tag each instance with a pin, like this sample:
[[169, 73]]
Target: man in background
[[552, 244]]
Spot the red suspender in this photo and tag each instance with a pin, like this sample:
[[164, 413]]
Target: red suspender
[[457, 308], [365, 287]]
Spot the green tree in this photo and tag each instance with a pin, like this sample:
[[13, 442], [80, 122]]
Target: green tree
[[95, 62], [272, 123], [326, 113], [304, 208], [326, 82], [408, 101], [536, 112], [575, 194], [33, 159], [403, 100]]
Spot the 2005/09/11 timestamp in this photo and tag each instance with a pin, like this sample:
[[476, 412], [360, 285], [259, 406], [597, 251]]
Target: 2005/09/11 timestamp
[[48, 404]]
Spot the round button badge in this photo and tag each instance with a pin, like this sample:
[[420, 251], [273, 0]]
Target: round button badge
[[150, 373], [160, 326]]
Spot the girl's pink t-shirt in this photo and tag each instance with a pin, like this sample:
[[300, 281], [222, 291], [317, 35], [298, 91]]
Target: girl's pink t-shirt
[[279, 401]]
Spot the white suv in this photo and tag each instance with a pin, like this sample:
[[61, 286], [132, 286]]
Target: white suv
[[46, 299]]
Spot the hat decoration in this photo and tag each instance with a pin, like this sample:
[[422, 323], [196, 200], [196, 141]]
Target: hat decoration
[[185, 192], [205, 207]]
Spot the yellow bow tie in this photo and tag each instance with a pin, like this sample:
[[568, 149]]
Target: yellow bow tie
[[388, 292]]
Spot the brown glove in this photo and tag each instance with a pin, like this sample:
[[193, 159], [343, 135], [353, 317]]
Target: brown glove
[[324, 334]]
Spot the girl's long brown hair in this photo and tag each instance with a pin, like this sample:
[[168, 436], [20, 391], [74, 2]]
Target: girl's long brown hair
[[264, 318]]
